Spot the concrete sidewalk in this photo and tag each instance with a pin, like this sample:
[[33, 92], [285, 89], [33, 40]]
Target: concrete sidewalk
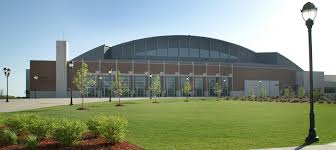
[[27, 104], [330, 146]]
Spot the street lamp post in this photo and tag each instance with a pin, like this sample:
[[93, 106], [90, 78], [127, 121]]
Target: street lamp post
[[100, 86], [110, 73], [189, 84], [150, 86], [260, 88], [225, 92], [36, 78], [71, 65], [309, 12], [7, 73]]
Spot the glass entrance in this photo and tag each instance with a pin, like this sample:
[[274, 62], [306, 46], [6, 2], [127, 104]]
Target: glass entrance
[[170, 84], [139, 88], [211, 84], [199, 86]]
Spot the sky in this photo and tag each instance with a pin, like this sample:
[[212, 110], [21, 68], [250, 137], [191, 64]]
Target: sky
[[29, 29]]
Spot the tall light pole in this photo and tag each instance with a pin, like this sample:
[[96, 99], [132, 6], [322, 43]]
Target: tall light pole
[[189, 84], [260, 87], [225, 92], [150, 86], [110, 73], [36, 78], [100, 86], [71, 65], [309, 12], [7, 73]]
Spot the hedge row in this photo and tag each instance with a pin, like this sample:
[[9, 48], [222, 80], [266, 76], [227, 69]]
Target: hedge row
[[65, 131]]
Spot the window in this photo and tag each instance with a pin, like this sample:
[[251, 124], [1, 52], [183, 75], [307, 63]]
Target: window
[[173, 48], [170, 81], [184, 47], [204, 48], [139, 85], [140, 48], [128, 50], [215, 47], [151, 47], [162, 47], [194, 47], [204, 53], [211, 84], [330, 90]]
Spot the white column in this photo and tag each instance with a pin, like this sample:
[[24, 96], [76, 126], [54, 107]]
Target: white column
[[61, 68]]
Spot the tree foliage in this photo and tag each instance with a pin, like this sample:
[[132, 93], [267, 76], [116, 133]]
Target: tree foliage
[[82, 80], [118, 86], [263, 92], [317, 94], [301, 91], [186, 88], [252, 93], [156, 86], [288, 92], [218, 89]]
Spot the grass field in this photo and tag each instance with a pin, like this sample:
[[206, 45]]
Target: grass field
[[210, 124]]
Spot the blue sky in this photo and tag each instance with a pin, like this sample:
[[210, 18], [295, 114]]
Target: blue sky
[[29, 29]]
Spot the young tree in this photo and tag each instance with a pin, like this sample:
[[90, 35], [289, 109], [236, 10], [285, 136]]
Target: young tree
[[317, 94], [252, 93], [301, 91], [218, 89], [118, 86], [82, 81], [186, 90], [156, 87], [288, 92], [263, 92]]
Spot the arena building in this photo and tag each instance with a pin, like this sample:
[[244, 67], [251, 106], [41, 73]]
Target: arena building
[[204, 61]]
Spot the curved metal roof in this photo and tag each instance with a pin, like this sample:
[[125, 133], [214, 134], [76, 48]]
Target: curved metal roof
[[185, 48]]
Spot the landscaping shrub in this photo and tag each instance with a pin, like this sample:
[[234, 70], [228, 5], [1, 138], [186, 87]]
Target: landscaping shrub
[[19, 122], [7, 137], [113, 129], [31, 142], [68, 132], [92, 125], [39, 126]]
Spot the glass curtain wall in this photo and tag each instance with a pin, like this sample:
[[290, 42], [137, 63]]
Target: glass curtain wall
[[139, 85], [199, 86], [125, 81], [211, 84], [170, 86]]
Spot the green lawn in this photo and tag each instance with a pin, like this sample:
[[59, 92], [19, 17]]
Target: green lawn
[[210, 124]]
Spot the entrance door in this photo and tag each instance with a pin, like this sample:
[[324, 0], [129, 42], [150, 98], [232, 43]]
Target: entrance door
[[170, 81], [199, 86]]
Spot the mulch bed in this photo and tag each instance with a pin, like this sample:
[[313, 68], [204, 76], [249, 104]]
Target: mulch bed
[[88, 143]]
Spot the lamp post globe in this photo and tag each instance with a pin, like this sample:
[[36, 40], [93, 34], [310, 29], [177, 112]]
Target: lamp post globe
[[309, 12], [71, 65], [224, 90], [36, 78], [100, 86], [7, 72], [110, 74], [150, 86]]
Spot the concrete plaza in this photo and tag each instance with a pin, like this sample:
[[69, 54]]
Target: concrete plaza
[[27, 104], [330, 146]]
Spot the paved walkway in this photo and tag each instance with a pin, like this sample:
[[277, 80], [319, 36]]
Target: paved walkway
[[27, 104], [331, 146]]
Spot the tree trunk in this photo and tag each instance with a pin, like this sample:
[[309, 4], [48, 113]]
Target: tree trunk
[[82, 101], [119, 99]]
